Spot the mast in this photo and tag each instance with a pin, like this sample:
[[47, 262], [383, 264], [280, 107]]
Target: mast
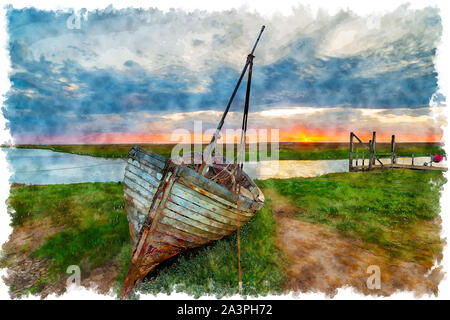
[[230, 101], [216, 136]]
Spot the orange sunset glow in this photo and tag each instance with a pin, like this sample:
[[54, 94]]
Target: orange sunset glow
[[303, 135]]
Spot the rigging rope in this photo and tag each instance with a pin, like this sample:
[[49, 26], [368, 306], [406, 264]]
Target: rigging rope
[[237, 170], [238, 189]]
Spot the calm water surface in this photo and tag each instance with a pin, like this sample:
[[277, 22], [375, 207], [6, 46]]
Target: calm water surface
[[36, 166]]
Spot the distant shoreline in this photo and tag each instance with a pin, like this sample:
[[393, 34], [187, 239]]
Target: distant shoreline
[[287, 150]]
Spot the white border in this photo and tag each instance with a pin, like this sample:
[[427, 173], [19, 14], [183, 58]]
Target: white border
[[266, 8]]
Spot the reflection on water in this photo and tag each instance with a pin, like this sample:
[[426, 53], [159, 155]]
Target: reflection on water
[[294, 168], [35, 166]]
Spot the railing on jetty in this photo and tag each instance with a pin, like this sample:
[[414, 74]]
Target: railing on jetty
[[374, 161], [372, 154]]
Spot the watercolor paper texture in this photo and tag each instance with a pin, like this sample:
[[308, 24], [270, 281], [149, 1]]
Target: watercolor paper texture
[[85, 85]]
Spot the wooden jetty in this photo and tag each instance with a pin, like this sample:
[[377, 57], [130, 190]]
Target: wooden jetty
[[399, 166], [374, 161]]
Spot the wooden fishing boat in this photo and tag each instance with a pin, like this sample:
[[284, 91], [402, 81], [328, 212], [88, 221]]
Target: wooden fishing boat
[[174, 205]]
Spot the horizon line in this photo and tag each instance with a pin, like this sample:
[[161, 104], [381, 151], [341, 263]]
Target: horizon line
[[175, 143]]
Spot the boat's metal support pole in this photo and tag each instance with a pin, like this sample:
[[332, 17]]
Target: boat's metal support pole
[[241, 153]]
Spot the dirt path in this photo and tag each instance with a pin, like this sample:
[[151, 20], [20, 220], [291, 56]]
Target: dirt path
[[25, 272], [323, 261]]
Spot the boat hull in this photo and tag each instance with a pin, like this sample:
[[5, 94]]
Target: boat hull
[[186, 210], [142, 178]]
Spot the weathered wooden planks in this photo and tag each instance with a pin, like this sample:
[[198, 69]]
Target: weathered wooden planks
[[173, 208], [142, 177], [402, 166]]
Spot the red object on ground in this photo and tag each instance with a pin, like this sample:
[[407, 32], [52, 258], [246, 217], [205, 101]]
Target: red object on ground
[[438, 158]]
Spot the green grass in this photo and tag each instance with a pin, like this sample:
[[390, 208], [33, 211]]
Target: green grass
[[386, 208], [287, 150], [92, 214], [89, 247], [327, 151]]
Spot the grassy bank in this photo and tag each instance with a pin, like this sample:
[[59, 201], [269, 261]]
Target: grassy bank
[[287, 150], [396, 210]]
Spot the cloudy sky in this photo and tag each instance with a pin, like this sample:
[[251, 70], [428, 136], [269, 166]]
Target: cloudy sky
[[135, 75]]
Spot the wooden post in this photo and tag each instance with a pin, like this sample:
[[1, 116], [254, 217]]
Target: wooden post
[[392, 150], [350, 158], [363, 159], [370, 154], [412, 159], [357, 155], [374, 142], [431, 160]]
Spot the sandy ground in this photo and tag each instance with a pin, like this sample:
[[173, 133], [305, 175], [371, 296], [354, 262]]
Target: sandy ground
[[24, 271], [323, 261]]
